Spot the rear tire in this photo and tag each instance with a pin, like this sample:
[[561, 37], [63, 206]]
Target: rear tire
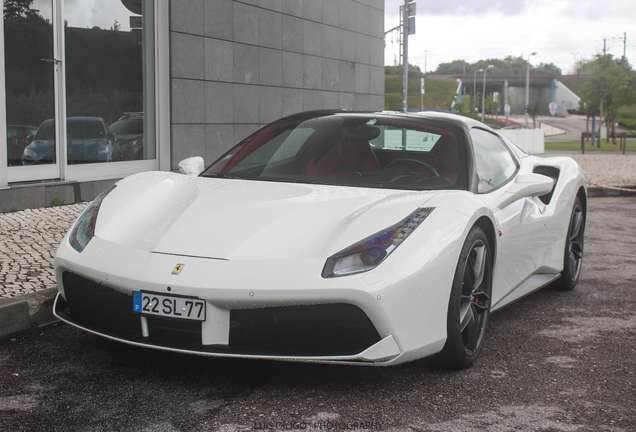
[[469, 306], [573, 256]]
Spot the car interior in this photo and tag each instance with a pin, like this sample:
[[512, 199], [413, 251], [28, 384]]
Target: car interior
[[354, 152]]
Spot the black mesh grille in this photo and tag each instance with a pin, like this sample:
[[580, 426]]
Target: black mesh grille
[[326, 329], [304, 330], [100, 308]]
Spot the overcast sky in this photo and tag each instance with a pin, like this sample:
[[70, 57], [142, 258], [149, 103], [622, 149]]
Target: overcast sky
[[559, 31], [89, 13]]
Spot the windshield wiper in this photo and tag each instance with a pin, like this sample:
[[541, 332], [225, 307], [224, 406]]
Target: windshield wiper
[[224, 175]]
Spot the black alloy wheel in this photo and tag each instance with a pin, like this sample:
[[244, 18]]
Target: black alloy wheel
[[573, 256], [469, 306]]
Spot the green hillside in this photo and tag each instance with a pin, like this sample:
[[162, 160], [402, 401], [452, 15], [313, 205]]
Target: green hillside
[[439, 92]]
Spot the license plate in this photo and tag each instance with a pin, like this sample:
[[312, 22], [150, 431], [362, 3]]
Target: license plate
[[169, 306]]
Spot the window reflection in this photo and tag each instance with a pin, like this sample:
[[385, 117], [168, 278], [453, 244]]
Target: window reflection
[[104, 81], [493, 161], [28, 48], [109, 65], [89, 140]]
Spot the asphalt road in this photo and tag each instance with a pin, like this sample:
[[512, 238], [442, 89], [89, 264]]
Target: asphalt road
[[572, 125], [554, 361]]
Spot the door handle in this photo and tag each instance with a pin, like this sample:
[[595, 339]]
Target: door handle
[[55, 60]]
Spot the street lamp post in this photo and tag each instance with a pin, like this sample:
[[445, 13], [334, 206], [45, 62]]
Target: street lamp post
[[528, 86], [405, 55], [475, 88], [483, 95]]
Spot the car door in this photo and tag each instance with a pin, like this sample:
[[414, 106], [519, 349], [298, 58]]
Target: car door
[[519, 225]]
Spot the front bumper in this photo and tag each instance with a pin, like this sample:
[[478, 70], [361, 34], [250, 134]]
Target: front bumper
[[274, 309], [326, 332]]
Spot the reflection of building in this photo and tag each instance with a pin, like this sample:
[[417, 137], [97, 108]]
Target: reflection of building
[[206, 74]]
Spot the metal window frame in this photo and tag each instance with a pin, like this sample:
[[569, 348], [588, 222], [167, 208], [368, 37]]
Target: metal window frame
[[92, 172]]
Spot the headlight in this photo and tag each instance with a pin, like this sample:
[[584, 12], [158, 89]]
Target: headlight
[[84, 228], [101, 150], [29, 153], [370, 252]]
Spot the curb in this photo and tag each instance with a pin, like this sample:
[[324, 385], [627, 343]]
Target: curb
[[26, 312], [595, 192]]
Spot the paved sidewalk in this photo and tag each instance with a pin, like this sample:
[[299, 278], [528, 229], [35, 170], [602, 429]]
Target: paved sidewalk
[[29, 239], [603, 168], [28, 245]]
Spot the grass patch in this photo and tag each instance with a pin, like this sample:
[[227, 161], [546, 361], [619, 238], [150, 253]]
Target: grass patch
[[576, 145], [58, 202], [439, 93], [626, 116]]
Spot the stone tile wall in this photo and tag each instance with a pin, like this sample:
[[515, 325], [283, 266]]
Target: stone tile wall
[[239, 64]]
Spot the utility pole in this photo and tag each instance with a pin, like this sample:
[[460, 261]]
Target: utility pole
[[425, 51], [528, 86], [474, 97], [405, 55], [483, 96], [624, 49], [600, 119], [408, 28]]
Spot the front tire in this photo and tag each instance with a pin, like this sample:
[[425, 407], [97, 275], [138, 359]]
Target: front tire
[[573, 256], [469, 306]]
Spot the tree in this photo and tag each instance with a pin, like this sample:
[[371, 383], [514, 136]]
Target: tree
[[612, 86], [454, 67], [19, 9], [490, 106], [116, 26], [414, 71], [509, 65], [533, 110]]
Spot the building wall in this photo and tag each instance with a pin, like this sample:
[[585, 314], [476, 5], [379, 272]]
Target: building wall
[[564, 97], [237, 65]]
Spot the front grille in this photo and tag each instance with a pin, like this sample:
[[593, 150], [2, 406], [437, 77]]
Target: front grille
[[324, 329], [302, 330], [99, 307]]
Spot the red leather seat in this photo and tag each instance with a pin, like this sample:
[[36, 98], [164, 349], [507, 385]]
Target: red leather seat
[[446, 158], [345, 157]]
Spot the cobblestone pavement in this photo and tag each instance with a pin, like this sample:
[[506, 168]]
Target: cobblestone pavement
[[28, 241], [29, 238], [610, 169]]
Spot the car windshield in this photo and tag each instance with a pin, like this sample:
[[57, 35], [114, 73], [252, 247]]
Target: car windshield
[[130, 126], [351, 150], [76, 128], [46, 131]]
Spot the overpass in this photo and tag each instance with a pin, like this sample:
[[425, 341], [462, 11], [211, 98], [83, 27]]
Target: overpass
[[512, 88]]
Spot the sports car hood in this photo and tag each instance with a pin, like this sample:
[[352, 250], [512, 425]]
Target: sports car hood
[[241, 220]]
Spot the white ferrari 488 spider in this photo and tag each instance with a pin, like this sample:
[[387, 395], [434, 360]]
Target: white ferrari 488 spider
[[330, 236]]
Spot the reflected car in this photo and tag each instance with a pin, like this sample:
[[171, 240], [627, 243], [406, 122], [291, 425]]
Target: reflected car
[[129, 131], [89, 140], [17, 140], [331, 236]]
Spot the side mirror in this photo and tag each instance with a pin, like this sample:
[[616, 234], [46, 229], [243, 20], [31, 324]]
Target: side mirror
[[192, 166], [525, 185], [29, 138]]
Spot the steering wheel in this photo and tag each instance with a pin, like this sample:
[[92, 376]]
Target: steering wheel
[[428, 166]]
